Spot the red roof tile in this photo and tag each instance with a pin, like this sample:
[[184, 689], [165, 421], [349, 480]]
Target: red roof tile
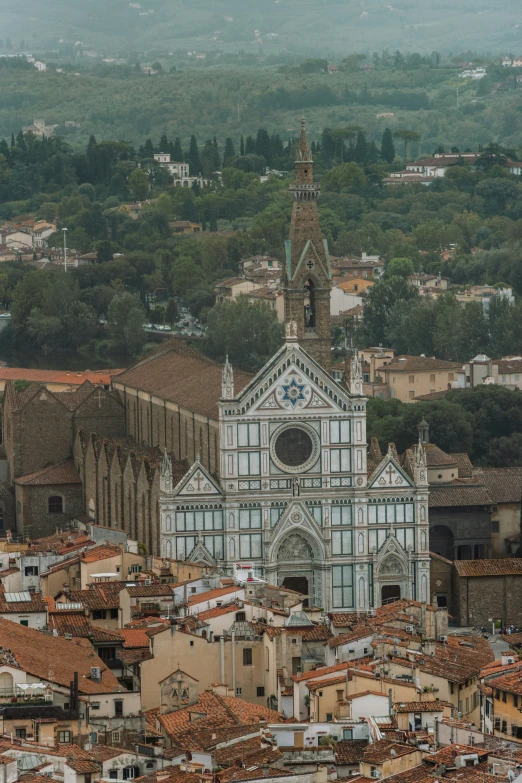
[[54, 475]]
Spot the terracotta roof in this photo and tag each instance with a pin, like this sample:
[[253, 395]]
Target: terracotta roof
[[35, 653], [138, 590], [511, 682], [137, 655], [447, 755], [9, 572], [97, 596], [433, 395], [84, 767], [352, 636], [317, 685], [178, 373], [459, 493], [101, 552], [505, 366], [315, 633], [349, 751], [322, 671], [419, 706], [436, 457], [77, 624], [60, 543], [258, 772], [499, 567], [35, 604], [250, 751], [218, 611], [64, 473], [218, 592], [512, 638], [104, 752], [133, 638], [458, 660], [343, 619], [71, 378], [404, 363], [504, 484], [435, 556], [217, 711], [381, 751]]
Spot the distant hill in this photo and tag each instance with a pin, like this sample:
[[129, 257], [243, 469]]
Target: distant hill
[[301, 26]]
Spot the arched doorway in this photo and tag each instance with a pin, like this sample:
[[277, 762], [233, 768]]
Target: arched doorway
[[442, 541], [390, 593]]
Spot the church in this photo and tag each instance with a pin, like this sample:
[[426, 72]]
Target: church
[[296, 501]]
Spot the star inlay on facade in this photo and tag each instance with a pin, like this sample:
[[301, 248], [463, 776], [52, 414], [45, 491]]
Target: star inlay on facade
[[293, 392]]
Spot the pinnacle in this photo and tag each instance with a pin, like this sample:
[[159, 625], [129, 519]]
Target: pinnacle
[[303, 149]]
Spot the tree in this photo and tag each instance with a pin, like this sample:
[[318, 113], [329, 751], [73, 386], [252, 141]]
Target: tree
[[399, 267], [193, 158], [387, 146], [248, 333], [125, 324], [172, 312], [138, 183], [229, 153], [347, 177], [177, 152], [380, 301], [407, 137]]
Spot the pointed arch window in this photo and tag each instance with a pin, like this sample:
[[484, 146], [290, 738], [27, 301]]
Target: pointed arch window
[[310, 305]]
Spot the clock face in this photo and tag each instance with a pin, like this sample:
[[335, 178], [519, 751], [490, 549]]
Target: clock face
[[294, 447]]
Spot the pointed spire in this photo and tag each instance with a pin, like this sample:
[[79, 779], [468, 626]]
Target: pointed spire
[[227, 381], [304, 154], [165, 464], [166, 473]]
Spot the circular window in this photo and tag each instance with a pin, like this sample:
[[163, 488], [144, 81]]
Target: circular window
[[295, 448]]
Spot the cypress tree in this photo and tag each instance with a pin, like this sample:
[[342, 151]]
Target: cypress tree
[[360, 152], [242, 146], [20, 141], [229, 153], [12, 140], [164, 144], [216, 158], [193, 158], [387, 146], [250, 146], [177, 153]]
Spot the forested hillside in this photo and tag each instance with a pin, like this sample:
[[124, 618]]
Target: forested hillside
[[121, 102], [296, 25]]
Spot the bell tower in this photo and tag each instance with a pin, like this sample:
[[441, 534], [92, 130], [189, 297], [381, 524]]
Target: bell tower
[[306, 275]]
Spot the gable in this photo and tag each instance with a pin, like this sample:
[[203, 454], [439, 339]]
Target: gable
[[293, 383], [197, 483], [310, 261], [389, 475]]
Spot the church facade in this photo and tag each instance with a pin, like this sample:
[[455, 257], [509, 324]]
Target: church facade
[[294, 500]]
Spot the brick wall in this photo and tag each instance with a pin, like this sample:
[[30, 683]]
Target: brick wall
[[497, 597], [33, 517]]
